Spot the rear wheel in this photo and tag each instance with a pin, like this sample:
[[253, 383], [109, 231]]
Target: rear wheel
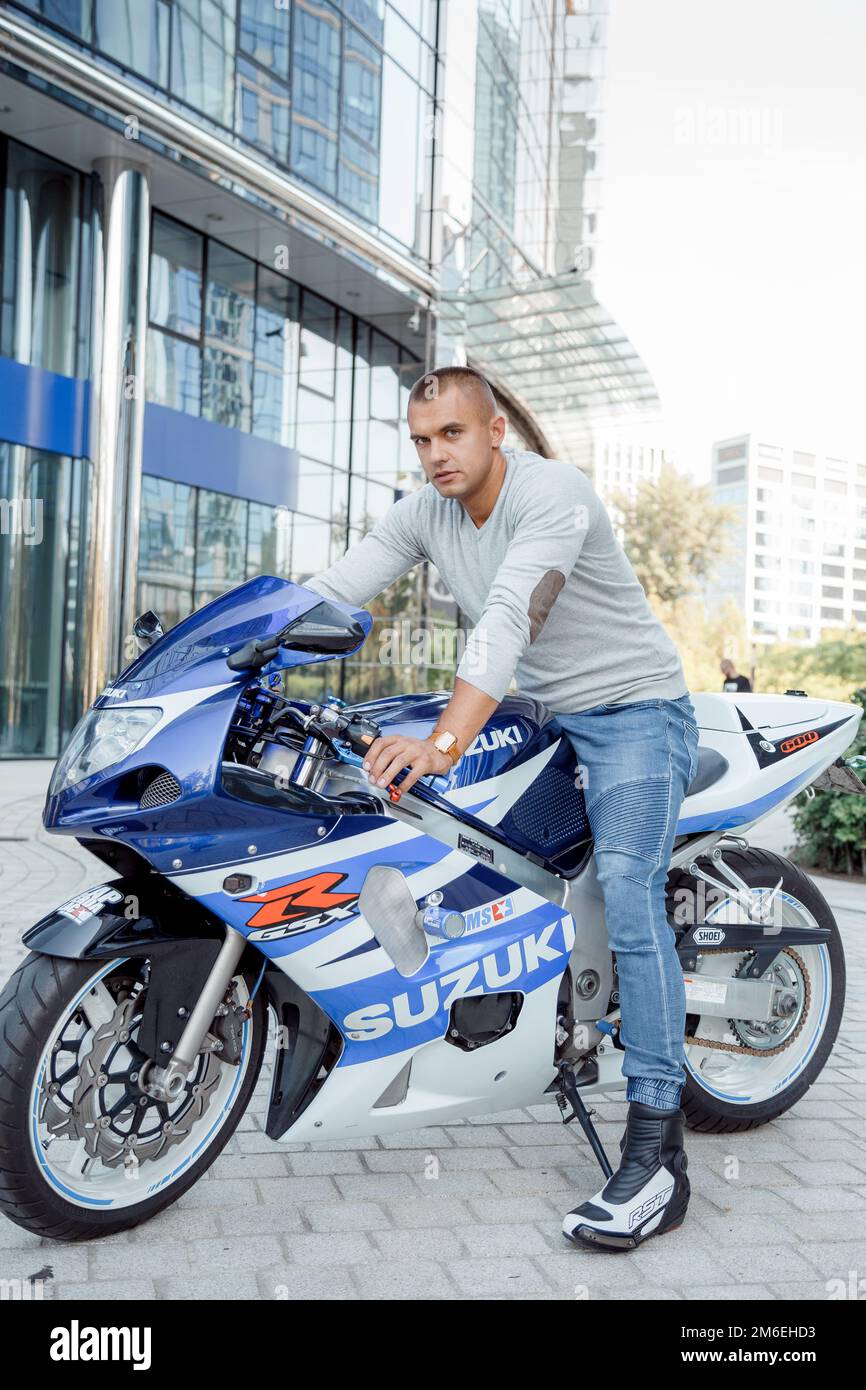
[[740, 1074], [84, 1151]]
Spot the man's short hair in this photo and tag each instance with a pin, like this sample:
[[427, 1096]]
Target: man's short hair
[[466, 379]]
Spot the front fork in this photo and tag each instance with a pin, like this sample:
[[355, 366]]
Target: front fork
[[165, 1083]]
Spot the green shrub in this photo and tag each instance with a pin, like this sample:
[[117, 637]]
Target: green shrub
[[831, 826]]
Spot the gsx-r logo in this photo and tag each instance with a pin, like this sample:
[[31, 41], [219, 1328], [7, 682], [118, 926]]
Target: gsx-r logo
[[299, 906]]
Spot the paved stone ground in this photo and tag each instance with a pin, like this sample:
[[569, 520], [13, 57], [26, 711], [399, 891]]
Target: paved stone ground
[[361, 1220]]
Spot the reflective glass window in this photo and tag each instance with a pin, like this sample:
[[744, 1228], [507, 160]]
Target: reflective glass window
[[398, 210], [316, 487], [343, 391], [220, 545], [368, 14], [269, 541], [262, 111], [402, 43], [166, 549], [315, 545], [276, 348], [202, 56], [385, 379], [74, 15], [369, 502], [228, 345], [359, 136], [263, 33], [318, 344], [176, 277], [135, 33], [411, 10], [383, 448], [315, 91], [362, 81], [42, 237], [359, 170], [315, 425], [43, 620], [173, 372]]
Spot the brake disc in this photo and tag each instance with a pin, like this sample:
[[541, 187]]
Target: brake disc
[[96, 1116]]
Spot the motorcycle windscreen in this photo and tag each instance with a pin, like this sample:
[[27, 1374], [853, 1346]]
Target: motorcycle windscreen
[[195, 652]]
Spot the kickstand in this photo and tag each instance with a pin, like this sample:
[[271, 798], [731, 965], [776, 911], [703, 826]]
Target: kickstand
[[569, 1094]]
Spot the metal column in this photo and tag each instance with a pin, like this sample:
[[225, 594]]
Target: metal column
[[121, 248]]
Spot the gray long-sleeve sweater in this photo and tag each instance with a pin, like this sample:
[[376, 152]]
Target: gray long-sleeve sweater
[[553, 598]]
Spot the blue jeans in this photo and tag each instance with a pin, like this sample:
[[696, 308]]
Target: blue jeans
[[637, 761]]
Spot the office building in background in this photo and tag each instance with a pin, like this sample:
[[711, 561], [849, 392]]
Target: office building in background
[[798, 551]]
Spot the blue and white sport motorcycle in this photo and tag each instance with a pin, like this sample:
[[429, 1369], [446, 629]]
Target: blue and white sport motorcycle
[[422, 956]]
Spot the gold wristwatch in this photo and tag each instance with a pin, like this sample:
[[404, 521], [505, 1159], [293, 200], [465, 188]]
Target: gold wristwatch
[[447, 743]]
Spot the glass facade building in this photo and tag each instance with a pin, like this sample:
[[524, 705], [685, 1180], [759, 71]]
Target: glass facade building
[[233, 233], [336, 91], [230, 341]]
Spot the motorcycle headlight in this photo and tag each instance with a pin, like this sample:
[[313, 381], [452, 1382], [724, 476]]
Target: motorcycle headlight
[[103, 737]]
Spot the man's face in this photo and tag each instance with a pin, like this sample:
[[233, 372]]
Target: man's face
[[454, 444]]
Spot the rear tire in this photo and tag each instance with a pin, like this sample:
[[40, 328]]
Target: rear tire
[[41, 992], [759, 868]]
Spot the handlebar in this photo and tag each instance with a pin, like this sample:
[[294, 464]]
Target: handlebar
[[357, 732]]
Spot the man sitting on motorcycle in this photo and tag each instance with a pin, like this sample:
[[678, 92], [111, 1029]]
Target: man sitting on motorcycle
[[526, 548]]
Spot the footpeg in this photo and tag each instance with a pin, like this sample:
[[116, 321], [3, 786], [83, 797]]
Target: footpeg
[[611, 1028]]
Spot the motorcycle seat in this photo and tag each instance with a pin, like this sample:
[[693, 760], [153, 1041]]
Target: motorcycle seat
[[712, 765]]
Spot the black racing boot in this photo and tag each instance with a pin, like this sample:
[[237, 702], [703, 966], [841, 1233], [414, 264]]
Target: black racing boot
[[649, 1192]]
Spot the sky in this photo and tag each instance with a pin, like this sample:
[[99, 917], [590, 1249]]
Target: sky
[[732, 236]]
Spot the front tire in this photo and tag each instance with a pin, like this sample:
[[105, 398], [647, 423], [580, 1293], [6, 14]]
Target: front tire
[[727, 1096], [49, 1181]]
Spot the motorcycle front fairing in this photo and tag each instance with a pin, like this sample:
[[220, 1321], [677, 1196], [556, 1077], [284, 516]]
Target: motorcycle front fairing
[[185, 685]]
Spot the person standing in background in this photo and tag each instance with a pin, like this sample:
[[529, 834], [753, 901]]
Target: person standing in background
[[733, 680]]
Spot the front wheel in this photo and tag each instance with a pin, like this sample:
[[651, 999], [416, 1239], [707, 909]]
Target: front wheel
[[84, 1151], [740, 1074]]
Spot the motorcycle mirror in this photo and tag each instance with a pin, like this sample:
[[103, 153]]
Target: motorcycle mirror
[[147, 629], [323, 630]]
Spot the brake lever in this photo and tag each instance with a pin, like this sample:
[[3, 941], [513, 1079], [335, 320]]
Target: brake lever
[[359, 735]]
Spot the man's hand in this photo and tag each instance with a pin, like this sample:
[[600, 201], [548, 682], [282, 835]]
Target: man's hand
[[389, 755]]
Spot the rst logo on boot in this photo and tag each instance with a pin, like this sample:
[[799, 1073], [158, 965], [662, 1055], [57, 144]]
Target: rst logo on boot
[[649, 1206]]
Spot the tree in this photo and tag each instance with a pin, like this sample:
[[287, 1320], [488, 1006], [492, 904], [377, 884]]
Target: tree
[[702, 637], [830, 668], [673, 533]]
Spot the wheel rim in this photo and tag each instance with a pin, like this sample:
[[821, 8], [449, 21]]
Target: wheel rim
[[63, 1158], [739, 1078]]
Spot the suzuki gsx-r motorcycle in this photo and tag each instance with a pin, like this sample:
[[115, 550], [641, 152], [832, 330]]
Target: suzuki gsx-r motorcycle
[[422, 957]]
